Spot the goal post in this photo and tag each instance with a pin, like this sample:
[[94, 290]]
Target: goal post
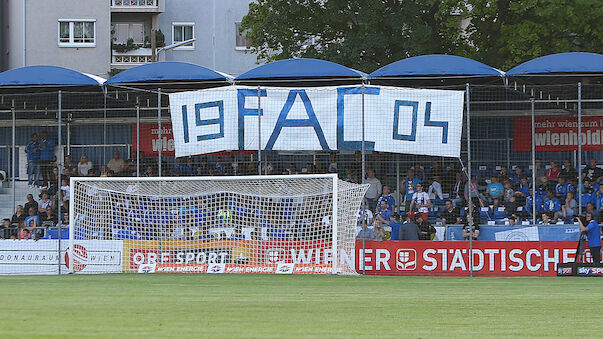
[[223, 224]]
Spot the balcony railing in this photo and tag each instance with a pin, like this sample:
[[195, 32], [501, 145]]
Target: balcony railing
[[134, 3], [131, 58]]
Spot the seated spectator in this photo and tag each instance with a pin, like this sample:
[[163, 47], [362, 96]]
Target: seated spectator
[[570, 208], [537, 198], [503, 175], [388, 198], [552, 174], [333, 162], [427, 231], [450, 178], [44, 202], [65, 189], [511, 206], [590, 208], [475, 216], [523, 190], [562, 187], [472, 191], [495, 191], [509, 192], [408, 188], [517, 175], [419, 171], [540, 171], [365, 233], [103, 172], [420, 202], [31, 203], [588, 194], [436, 171], [5, 229], [117, 163], [32, 221], [69, 165], [181, 168], [203, 169], [457, 190], [19, 215], [592, 172], [552, 207], [409, 230], [84, 166], [48, 218], [436, 188], [219, 167], [367, 214], [568, 172], [512, 220], [383, 214], [451, 214]]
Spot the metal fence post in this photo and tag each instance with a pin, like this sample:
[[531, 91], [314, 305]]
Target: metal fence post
[[159, 131], [363, 208], [469, 201], [579, 164], [59, 163], [532, 113], [260, 130], [14, 155], [137, 138]]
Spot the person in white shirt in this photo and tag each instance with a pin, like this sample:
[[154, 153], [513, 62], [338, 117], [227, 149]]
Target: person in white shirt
[[374, 191], [435, 188], [368, 216], [117, 163], [84, 166], [420, 202]]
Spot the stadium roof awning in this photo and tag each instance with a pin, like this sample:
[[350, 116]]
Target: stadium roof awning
[[45, 76], [571, 62], [435, 65], [300, 69], [168, 71]]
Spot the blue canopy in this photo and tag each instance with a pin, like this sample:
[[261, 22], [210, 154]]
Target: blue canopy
[[166, 71], [571, 62], [45, 76], [435, 64], [300, 68]]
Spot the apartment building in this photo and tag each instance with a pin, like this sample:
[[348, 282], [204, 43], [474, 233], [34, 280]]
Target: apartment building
[[101, 37]]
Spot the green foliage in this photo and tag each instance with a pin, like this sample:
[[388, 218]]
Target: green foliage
[[159, 38], [368, 34], [114, 71], [123, 48]]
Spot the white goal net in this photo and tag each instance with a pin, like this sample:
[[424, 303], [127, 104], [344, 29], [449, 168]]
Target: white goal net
[[258, 224]]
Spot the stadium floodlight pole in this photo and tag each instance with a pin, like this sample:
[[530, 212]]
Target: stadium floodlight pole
[[259, 130], [160, 147], [579, 164], [362, 208], [533, 162], [59, 163], [469, 202], [137, 138]]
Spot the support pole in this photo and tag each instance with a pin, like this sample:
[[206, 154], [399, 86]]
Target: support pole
[[579, 164], [137, 138], [259, 130], [59, 167], [362, 208], [14, 155], [469, 202], [159, 131], [532, 114], [105, 126], [335, 227]]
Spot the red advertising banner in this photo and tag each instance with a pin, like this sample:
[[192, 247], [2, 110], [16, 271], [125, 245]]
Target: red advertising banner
[[557, 133], [149, 139], [451, 258]]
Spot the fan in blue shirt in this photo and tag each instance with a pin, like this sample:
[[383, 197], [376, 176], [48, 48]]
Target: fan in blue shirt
[[593, 236], [388, 198]]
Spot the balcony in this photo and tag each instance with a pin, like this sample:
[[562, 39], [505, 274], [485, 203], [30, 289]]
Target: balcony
[[137, 6], [131, 58]]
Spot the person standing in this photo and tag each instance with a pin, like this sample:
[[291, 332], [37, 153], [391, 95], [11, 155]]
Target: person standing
[[374, 191], [593, 236], [46, 157], [33, 160]]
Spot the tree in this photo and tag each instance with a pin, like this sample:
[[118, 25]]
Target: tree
[[368, 34], [506, 33], [362, 34]]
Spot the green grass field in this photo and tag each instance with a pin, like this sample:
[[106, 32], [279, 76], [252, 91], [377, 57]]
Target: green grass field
[[274, 306]]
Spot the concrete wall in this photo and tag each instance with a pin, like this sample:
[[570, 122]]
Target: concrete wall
[[219, 54]]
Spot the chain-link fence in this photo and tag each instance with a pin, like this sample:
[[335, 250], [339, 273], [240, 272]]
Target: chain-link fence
[[522, 160]]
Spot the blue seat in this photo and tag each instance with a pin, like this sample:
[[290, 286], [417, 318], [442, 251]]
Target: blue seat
[[485, 213], [482, 170], [499, 213], [53, 233]]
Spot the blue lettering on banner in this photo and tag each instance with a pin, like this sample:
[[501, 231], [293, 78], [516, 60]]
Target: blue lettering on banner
[[442, 124], [242, 93], [185, 123], [205, 122], [413, 132], [312, 121], [351, 145]]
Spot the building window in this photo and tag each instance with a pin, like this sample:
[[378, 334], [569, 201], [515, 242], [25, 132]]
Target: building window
[[241, 43], [77, 33], [122, 32], [182, 31]]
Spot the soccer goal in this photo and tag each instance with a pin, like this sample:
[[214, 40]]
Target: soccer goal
[[240, 224]]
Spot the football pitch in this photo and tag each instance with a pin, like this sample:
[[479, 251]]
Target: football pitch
[[285, 306]]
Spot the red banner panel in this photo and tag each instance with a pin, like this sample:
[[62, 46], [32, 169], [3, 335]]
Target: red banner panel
[[451, 258], [557, 133], [150, 142]]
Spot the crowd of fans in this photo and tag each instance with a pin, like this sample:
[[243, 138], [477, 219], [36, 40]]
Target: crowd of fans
[[428, 194]]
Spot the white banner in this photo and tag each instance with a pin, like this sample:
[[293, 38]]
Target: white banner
[[398, 120], [42, 257]]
